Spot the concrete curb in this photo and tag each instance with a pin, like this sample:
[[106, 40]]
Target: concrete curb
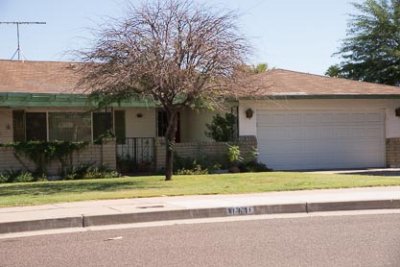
[[37, 225], [124, 218], [354, 205]]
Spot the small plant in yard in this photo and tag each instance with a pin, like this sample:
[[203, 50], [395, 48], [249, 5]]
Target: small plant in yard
[[234, 154], [246, 163], [234, 158], [249, 163], [18, 176], [198, 165], [88, 171], [197, 170]]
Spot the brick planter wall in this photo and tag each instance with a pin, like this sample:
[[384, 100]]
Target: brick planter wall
[[393, 152], [99, 155], [195, 149]]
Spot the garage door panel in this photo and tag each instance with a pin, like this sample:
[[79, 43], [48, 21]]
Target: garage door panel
[[320, 140]]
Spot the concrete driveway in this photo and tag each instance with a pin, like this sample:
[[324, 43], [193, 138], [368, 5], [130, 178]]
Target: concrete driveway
[[372, 171]]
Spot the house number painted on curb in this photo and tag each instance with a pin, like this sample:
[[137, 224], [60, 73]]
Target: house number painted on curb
[[240, 211]]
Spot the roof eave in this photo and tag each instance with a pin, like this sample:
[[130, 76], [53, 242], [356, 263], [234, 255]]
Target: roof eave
[[47, 100], [325, 96]]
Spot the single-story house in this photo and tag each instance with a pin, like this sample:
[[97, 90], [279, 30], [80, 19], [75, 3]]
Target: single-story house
[[299, 120]]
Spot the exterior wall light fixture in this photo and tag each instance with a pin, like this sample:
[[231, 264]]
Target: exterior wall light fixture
[[249, 113]]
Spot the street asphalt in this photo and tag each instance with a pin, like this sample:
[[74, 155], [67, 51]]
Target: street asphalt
[[124, 211], [353, 240]]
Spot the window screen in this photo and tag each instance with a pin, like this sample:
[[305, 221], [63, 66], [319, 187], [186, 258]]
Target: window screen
[[102, 123], [70, 126], [36, 126], [162, 123], [119, 119], [19, 125]]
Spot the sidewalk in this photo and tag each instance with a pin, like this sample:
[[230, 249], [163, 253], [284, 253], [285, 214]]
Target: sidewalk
[[92, 213]]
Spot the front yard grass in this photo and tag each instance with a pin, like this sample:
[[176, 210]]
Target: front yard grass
[[21, 194]]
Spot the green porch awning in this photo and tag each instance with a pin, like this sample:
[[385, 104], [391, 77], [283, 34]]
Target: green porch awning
[[41, 100]]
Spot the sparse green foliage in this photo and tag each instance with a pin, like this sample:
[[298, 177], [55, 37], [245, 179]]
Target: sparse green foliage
[[84, 171], [18, 176], [89, 171], [196, 170], [43, 153], [222, 128], [197, 165], [371, 52], [233, 154]]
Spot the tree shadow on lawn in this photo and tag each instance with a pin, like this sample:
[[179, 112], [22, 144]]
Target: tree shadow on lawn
[[60, 188]]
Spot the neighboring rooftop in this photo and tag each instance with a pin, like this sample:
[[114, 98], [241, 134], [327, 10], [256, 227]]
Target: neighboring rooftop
[[279, 82]]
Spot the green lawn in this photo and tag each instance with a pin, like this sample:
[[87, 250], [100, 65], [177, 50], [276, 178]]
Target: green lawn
[[20, 194]]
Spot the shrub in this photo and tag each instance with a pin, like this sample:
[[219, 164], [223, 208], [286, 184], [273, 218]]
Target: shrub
[[222, 129], [19, 176], [197, 170], [24, 177], [234, 154], [43, 153], [253, 166], [126, 164], [204, 162], [247, 163], [88, 171]]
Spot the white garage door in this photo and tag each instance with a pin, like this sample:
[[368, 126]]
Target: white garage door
[[321, 140]]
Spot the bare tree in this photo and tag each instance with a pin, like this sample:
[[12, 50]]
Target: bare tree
[[175, 52]]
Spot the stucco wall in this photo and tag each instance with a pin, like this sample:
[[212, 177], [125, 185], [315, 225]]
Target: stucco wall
[[6, 126], [193, 125], [144, 126], [392, 123]]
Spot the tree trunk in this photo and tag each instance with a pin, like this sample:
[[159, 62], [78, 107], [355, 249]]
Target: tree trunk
[[170, 143]]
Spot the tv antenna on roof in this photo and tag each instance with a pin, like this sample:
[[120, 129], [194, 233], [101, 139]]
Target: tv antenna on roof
[[18, 52]]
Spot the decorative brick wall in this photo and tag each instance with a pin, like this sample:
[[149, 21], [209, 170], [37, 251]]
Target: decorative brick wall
[[393, 152], [196, 149], [99, 155]]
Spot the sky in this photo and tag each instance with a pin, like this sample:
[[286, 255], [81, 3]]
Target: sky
[[299, 35]]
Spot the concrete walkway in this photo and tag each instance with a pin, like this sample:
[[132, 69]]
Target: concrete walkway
[[107, 212], [371, 171]]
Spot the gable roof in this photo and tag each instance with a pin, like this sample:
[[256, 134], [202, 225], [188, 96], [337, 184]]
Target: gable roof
[[38, 77], [51, 77], [46, 84], [279, 82]]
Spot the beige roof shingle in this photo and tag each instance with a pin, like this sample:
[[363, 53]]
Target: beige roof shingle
[[279, 82], [60, 77], [38, 77]]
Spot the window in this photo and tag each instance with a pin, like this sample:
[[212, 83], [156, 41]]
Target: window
[[36, 129], [162, 125], [19, 125], [66, 126], [119, 120], [102, 124], [70, 126]]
